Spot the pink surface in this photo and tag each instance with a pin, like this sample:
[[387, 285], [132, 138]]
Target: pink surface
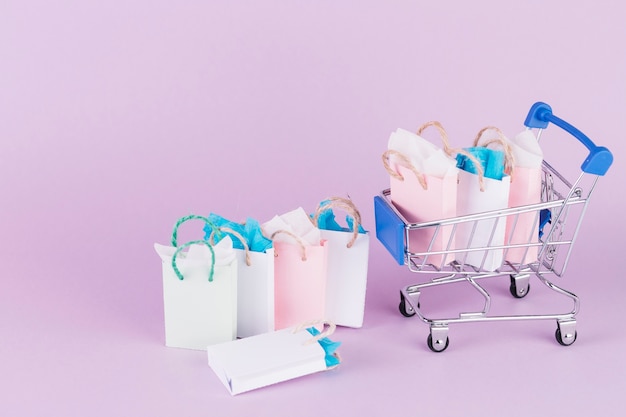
[[117, 118]]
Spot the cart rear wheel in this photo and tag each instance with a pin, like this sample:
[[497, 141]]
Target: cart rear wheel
[[519, 291], [438, 346], [566, 340], [405, 309]]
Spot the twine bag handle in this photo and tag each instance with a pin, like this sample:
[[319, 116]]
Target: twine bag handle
[[296, 238], [402, 160], [323, 334], [193, 242], [327, 332], [344, 204], [509, 160], [450, 151], [442, 134], [237, 235], [184, 219], [477, 165]]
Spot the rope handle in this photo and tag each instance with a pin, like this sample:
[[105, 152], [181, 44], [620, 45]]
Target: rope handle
[[296, 238], [348, 206], [405, 162], [509, 160], [237, 235], [193, 242], [327, 332], [184, 219], [442, 134]]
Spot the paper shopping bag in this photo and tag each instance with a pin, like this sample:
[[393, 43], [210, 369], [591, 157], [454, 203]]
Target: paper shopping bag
[[255, 280], [266, 359], [348, 250], [300, 269], [423, 186], [523, 229], [199, 293], [484, 185]]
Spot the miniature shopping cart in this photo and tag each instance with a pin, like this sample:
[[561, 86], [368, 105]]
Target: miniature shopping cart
[[557, 219]]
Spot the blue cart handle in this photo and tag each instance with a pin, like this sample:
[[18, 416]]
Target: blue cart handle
[[599, 159]]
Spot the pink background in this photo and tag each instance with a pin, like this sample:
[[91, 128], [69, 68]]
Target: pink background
[[118, 117]]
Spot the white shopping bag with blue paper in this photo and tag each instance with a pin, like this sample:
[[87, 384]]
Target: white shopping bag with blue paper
[[255, 269], [348, 252], [483, 188]]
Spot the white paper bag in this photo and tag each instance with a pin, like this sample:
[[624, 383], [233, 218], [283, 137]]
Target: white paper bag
[[484, 233], [255, 286], [484, 191], [348, 252], [258, 361], [255, 293], [199, 312]]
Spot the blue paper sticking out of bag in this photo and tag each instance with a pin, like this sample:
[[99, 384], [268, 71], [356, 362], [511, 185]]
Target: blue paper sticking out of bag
[[250, 231], [326, 221], [329, 348], [492, 161]]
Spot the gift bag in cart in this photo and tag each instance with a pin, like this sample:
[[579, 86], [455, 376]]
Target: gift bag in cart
[[300, 265], [423, 187], [556, 218], [483, 188], [348, 251], [199, 291], [255, 273], [525, 191]]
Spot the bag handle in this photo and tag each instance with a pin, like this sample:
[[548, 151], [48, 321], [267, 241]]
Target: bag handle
[[443, 135], [405, 162], [509, 160], [193, 242], [327, 332], [296, 238], [451, 151], [184, 219], [331, 356], [237, 235], [346, 205]]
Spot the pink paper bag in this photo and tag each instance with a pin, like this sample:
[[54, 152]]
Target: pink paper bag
[[299, 283], [524, 228], [416, 204], [525, 190], [423, 185]]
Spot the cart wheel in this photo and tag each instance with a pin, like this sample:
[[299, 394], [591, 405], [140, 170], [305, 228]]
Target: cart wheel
[[437, 347], [519, 291], [405, 309], [567, 340]]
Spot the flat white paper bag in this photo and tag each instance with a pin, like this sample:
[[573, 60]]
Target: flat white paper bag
[[258, 361]]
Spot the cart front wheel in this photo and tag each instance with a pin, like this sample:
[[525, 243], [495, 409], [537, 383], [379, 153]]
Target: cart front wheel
[[567, 339], [438, 345], [405, 308], [519, 286]]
